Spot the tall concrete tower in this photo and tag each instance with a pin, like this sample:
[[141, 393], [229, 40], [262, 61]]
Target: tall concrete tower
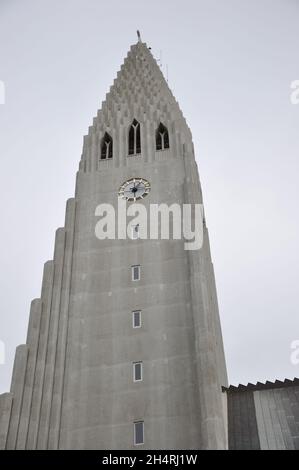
[[124, 347]]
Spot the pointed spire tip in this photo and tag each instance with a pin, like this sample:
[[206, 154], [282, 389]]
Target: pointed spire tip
[[138, 35]]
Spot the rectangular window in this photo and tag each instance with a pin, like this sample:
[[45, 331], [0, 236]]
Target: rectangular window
[[137, 371], [135, 232], [138, 433], [136, 319], [136, 273]]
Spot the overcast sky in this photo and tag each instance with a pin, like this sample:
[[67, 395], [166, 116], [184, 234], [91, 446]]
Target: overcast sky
[[231, 64]]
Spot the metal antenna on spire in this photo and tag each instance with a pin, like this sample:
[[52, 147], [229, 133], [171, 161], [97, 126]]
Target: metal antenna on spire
[[160, 60], [138, 35]]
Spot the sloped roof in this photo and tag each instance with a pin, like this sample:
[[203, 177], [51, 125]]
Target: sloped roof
[[262, 386]]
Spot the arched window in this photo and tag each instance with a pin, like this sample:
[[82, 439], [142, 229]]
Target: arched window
[[134, 138], [162, 138], [106, 147]]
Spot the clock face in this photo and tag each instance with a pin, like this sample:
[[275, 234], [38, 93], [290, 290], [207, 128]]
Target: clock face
[[134, 189]]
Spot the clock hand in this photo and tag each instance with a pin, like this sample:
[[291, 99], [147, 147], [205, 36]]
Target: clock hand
[[135, 189]]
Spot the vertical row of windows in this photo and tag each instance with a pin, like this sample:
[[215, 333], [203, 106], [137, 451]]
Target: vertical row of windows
[[137, 366], [134, 141]]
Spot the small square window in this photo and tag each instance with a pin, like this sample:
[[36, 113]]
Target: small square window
[[135, 232], [136, 273], [138, 433], [136, 319], [137, 371]]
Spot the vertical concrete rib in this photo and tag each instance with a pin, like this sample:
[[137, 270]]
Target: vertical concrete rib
[[115, 144], [44, 418], [32, 342], [60, 363], [46, 298], [209, 382], [93, 152], [17, 389], [5, 413]]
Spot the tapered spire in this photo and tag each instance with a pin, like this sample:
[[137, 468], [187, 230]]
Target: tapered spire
[[139, 92]]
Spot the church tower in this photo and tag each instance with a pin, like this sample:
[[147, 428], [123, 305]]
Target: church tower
[[124, 347]]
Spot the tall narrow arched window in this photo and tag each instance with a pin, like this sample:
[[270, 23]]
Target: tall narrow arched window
[[106, 147], [134, 138], [162, 137]]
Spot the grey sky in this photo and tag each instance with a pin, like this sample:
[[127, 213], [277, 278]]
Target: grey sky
[[231, 63]]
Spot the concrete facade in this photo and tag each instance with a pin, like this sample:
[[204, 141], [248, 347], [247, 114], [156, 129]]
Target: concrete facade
[[72, 385]]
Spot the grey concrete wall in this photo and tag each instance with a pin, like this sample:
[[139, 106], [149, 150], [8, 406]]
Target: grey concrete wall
[[242, 423], [264, 417], [73, 385], [277, 413]]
